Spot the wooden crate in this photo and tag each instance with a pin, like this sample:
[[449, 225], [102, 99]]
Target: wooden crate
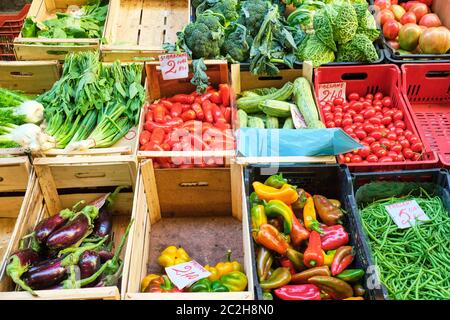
[[15, 177], [137, 29], [245, 80], [34, 49], [62, 183], [157, 88], [205, 217]]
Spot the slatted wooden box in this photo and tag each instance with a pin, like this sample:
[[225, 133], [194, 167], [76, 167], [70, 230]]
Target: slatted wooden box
[[137, 29], [52, 49], [205, 218], [61, 184]]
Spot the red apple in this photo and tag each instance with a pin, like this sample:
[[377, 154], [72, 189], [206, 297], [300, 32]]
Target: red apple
[[391, 29], [408, 17], [384, 15], [419, 9], [430, 20]]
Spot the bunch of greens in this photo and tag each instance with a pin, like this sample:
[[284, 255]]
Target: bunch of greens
[[88, 24], [93, 104], [239, 31], [341, 31]]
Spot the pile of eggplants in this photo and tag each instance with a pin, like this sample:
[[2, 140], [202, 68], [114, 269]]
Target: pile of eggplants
[[72, 249]]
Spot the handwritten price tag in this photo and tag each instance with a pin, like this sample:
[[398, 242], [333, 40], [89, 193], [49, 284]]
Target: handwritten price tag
[[174, 66], [299, 122], [331, 91], [406, 214], [185, 274]]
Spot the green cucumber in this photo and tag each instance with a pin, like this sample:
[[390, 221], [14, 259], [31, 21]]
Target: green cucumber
[[276, 108], [272, 122], [242, 118], [255, 122], [288, 124], [250, 104]]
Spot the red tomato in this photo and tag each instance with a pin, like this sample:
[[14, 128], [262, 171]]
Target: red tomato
[[328, 117], [367, 104], [392, 154], [358, 118], [387, 101], [416, 157], [349, 130], [399, 124], [375, 120], [356, 159], [398, 131], [345, 107], [386, 159], [391, 136], [369, 140], [369, 113], [348, 158], [357, 106], [399, 158], [408, 134], [369, 96], [414, 140], [404, 143], [351, 112], [398, 115], [338, 101], [396, 148], [338, 114], [376, 135], [341, 158], [368, 127], [338, 122], [361, 134], [407, 153], [380, 153], [347, 122], [326, 109], [386, 120], [330, 124], [353, 96], [417, 147], [372, 158], [364, 151], [386, 143], [378, 96]]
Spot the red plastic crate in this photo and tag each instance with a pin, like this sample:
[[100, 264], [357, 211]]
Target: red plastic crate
[[384, 78], [10, 26], [426, 90]]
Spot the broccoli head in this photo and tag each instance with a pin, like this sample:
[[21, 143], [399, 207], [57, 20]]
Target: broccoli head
[[205, 36], [227, 8], [235, 46], [252, 15], [359, 49]]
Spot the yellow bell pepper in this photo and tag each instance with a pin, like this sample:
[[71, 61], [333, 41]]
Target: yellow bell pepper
[[328, 257], [145, 282], [223, 268], [172, 256], [286, 193]]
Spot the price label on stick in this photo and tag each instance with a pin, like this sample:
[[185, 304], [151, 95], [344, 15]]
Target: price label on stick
[[185, 274], [174, 66], [406, 214], [331, 91], [297, 118]]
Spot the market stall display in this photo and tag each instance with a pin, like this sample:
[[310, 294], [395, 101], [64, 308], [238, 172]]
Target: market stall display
[[305, 247], [53, 246], [377, 116], [67, 26], [411, 258]]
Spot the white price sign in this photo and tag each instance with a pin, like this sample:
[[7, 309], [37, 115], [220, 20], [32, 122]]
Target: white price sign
[[406, 214], [331, 91], [185, 274], [174, 66], [299, 122]]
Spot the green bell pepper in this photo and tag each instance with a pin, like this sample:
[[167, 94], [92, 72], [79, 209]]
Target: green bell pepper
[[234, 281], [206, 285], [276, 181]]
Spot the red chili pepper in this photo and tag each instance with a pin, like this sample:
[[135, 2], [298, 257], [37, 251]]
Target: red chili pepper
[[205, 96], [149, 115], [166, 103], [299, 232], [225, 92], [286, 263], [198, 111], [313, 256], [159, 113], [151, 125], [186, 107], [188, 115], [215, 98], [158, 135], [207, 110], [217, 114], [298, 292], [342, 259], [176, 122], [333, 237], [182, 98], [176, 110], [145, 137]]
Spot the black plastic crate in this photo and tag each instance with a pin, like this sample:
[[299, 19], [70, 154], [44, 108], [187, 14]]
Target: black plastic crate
[[333, 181], [436, 179]]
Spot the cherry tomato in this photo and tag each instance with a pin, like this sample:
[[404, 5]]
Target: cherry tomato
[[417, 147], [404, 143], [377, 103], [372, 158], [345, 107], [386, 159], [398, 115], [369, 96], [364, 151], [351, 112], [337, 109], [392, 154], [380, 153], [353, 96], [386, 101], [347, 122], [369, 140], [326, 109], [358, 118], [378, 96], [357, 106], [369, 113], [348, 159], [386, 143], [375, 134], [399, 124], [399, 158], [349, 130], [366, 104], [368, 127], [407, 153], [375, 146], [415, 157], [361, 134], [408, 134], [338, 114], [386, 120], [399, 131], [328, 117], [375, 120], [330, 124], [413, 140], [356, 159], [338, 122], [391, 136], [338, 101], [396, 148], [354, 136]]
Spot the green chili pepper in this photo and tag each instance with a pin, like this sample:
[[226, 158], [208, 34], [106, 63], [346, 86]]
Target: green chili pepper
[[276, 181], [351, 275], [278, 278]]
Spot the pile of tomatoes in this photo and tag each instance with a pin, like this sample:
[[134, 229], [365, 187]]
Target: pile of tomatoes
[[377, 124], [189, 122]]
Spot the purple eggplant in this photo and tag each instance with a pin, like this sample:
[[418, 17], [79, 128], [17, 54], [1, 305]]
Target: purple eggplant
[[103, 224], [69, 234], [89, 264], [47, 226], [105, 255], [18, 264], [45, 275]]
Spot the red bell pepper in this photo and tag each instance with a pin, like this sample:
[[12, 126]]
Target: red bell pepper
[[286, 263], [342, 259], [299, 232], [298, 292], [333, 237], [225, 93], [313, 256], [182, 98]]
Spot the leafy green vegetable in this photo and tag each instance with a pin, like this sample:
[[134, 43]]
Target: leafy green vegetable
[[345, 23], [360, 48], [252, 15], [366, 21], [227, 8], [324, 29], [200, 78], [314, 50], [235, 48]]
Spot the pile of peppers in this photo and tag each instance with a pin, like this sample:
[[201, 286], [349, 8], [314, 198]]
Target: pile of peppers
[[302, 249], [71, 249], [226, 276]]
